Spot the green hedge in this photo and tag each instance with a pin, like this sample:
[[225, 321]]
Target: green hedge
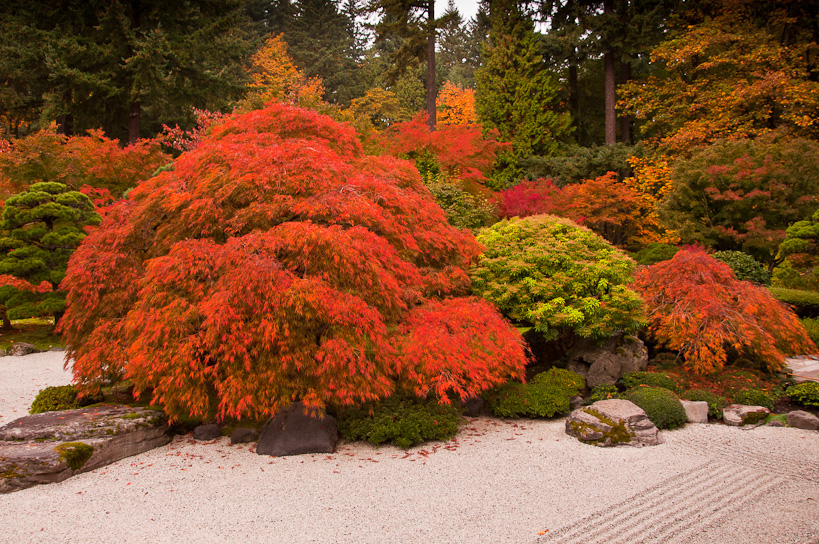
[[806, 393], [805, 303], [548, 394]]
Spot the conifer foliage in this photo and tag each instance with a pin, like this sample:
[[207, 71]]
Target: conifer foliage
[[41, 227], [277, 262]]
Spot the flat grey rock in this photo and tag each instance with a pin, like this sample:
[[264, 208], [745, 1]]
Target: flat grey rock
[[52, 446], [803, 420], [21, 348], [613, 422], [695, 410], [743, 414], [243, 435]]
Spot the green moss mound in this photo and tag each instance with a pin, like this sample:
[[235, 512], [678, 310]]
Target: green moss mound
[[753, 397], [547, 395], [652, 379], [806, 393], [401, 421], [661, 406], [603, 392], [75, 454], [715, 403], [63, 397]]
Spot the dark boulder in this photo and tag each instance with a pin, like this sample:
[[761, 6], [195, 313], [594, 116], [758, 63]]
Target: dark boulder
[[293, 432]]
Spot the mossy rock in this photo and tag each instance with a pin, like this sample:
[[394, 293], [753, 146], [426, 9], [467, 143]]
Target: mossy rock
[[75, 454]]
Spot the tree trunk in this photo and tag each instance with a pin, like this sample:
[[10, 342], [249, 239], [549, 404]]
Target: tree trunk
[[625, 120], [574, 99], [431, 84], [133, 123], [6, 323], [65, 125], [610, 87]]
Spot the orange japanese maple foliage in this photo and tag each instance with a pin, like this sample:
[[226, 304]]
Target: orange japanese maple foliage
[[278, 262], [462, 151], [695, 305]]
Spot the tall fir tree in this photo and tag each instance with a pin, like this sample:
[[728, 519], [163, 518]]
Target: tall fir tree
[[516, 94], [127, 66], [459, 49]]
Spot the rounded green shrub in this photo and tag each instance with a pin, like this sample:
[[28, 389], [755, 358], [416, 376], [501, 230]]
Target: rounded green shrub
[[661, 406], [401, 421], [812, 326], [745, 267], [462, 209], [653, 379], [602, 392], [806, 393], [572, 382], [715, 403], [654, 253], [529, 400], [50, 399], [558, 277], [804, 303], [753, 397]]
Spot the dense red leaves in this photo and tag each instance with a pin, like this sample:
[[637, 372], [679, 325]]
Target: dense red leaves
[[461, 150], [439, 336], [695, 305], [527, 198], [277, 262]]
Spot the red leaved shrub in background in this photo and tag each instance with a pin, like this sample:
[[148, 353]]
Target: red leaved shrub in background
[[695, 305], [529, 198], [277, 262], [462, 151]]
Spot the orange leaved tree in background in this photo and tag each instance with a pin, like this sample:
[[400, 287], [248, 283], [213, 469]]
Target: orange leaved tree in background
[[456, 106], [695, 305], [278, 262]]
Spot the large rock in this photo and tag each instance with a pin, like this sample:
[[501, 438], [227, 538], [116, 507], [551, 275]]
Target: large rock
[[803, 420], [608, 363], [53, 446], [613, 422], [293, 432], [21, 348], [742, 414], [695, 410], [210, 431]]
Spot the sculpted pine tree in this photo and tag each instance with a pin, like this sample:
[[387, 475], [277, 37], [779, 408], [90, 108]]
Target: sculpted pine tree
[[277, 262], [41, 228]]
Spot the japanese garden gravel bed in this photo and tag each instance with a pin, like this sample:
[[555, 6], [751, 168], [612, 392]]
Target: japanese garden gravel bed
[[498, 481]]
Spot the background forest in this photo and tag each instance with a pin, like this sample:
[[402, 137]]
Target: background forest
[[681, 132]]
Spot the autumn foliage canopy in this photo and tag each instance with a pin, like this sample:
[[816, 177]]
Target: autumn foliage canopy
[[695, 305], [277, 262]]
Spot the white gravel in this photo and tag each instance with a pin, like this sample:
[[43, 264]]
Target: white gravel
[[499, 481]]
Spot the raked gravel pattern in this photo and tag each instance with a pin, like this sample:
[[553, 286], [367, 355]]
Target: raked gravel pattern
[[499, 481]]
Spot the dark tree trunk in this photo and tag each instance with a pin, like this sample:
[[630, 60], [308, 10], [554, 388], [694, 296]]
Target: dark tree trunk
[[432, 90], [6, 323], [574, 99], [625, 120], [133, 123], [610, 87], [65, 125], [611, 99]]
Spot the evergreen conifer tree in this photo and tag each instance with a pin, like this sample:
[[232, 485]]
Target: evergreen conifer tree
[[41, 229]]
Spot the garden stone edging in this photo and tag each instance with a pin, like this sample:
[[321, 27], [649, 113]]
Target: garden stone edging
[[38, 449]]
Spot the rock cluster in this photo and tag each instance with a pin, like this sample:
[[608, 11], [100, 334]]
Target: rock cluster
[[608, 363]]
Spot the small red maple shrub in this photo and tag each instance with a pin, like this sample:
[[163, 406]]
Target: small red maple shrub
[[527, 198], [278, 262], [464, 151], [695, 305]]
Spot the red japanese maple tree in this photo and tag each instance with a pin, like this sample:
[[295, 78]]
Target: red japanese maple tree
[[695, 305], [278, 262]]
